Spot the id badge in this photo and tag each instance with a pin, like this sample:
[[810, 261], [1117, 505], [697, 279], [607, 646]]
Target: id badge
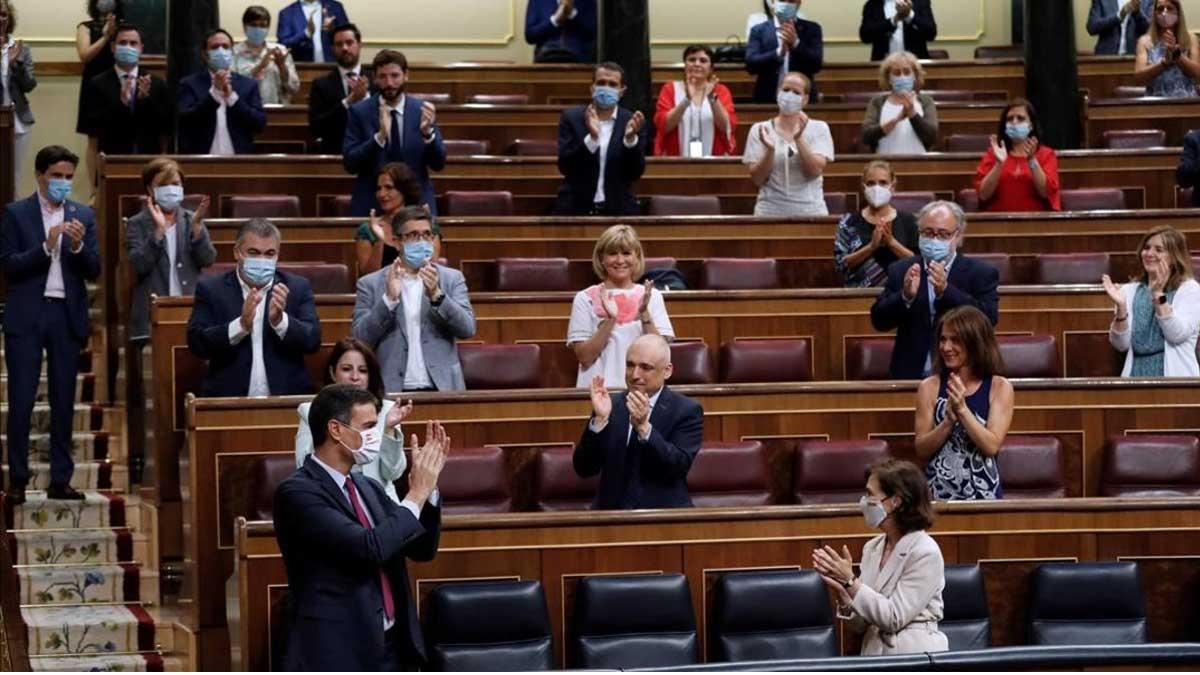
[[696, 149]]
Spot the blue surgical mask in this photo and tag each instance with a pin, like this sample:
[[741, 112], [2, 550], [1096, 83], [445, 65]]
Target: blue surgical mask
[[256, 35], [220, 59], [258, 271], [126, 55], [935, 250], [58, 189], [1017, 132], [168, 197], [417, 253], [606, 97], [902, 83], [786, 11]]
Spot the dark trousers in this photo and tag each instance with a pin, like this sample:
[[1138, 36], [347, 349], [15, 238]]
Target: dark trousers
[[23, 358], [398, 657]]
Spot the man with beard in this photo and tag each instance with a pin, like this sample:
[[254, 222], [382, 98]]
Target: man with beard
[[332, 95], [391, 127]]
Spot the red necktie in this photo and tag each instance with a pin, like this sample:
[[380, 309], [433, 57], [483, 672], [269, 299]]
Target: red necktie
[[389, 604]]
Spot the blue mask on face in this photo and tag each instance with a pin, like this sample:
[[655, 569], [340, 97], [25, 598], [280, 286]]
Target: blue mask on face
[[220, 59], [126, 55], [786, 11], [935, 249], [606, 97], [58, 189], [902, 83], [258, 271], [256, 35], [1017, 132], [416, 253], [168, 197]]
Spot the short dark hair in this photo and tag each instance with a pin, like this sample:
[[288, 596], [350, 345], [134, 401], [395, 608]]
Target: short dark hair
[[346, 26], [903, 479], [609, 65], [209, 34], [157, 167], [12, 16], [255, 13], [53, 154], [978, 338], [404, 180], [692, 49], [374, 373], [94, 12], [387, 57], [125, 28], [1035, 127], [411, 213], [335, 402]]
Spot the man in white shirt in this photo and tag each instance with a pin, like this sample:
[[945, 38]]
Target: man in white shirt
[[220, 110], [891, 26], [333, 94], [306, 26]]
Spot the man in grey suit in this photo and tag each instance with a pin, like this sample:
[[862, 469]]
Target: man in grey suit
[[1119, 24], [167, 244], [412, 311]]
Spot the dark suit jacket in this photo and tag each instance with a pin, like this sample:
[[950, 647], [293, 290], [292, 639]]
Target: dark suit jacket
[[763, 60], [363, 156], [1187, 174], [326, 114], [333, 567], [876, 30], [123, 131], [198, 114], [219, 301], [577, 35], [293, 30], [581, 168], [970, 283], [1104, 21], [643, 475], [26, 265]]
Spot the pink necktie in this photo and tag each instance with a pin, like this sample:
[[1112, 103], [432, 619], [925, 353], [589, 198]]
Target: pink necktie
[[389, 604]]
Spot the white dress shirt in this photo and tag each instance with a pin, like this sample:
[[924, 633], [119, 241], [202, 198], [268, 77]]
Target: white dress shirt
[[889, 13], [345, 74], [259, 385], [123, 76], [597, 428], [399, 109], [7, 99], [606, 131], [171, 241], [53, 215], [222, 143], [312, 12], [787, 55], [932, 295], [416, 373]]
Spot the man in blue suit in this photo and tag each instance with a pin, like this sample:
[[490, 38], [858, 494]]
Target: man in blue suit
[[922, 288], [344, 542], [1118, 25], [300, 24], [784, 44], [220, 111], [642, 442], [391, 127], [254, 324], [48, 250], [561, 31]]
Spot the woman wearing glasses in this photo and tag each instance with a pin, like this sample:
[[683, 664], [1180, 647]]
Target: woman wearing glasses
[[1017, 173]]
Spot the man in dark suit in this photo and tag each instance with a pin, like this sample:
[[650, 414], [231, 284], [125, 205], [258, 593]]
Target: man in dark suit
[[601, 150], [1118, 25], [922, 288], [48, 250], [254, 324], [306, 28], [333, 94], [561, 31], [1187, 174], [641, 442], [784, 44], [220, 111], [344, 542], [897, 26], [391, 127], [128, 111]]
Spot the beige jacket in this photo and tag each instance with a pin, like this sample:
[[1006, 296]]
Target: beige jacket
[[900, 605]]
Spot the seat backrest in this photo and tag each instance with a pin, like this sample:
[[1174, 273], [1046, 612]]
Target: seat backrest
[[269, 472], [912, 202], [475, 481], [633, 621], [438, 97], [661, 263], [945, 95], [532, 274], [1129, 91], [1031, 467], [1092, 199], [766, 360], [1124, 139], [837, 203], [1030, 355], [869, 358], [490, 626], [499, 99], [1196, 264], [730, 474], [1086, 604], [262, 206], [859, 96], [500, 366], [1000, 52], [1151, 466], [939, 54], [833, 472], [691, 363], [478, 203], [556, 486], [1071, 268], [684, 205], [967, 623], [1000, 261], [458, 147], [339, 207], [324, 278], [532, 147], [731, 274], [973, 143], [1183, 197], [771, 615], [968, 199]]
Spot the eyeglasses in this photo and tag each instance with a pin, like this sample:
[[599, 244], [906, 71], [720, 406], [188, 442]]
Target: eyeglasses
[[1165, 10], [938, 234], [414, 237]]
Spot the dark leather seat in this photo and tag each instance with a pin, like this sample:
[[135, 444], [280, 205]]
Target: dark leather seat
[[691, 363], [261, 206], [478, 203], [837, 203], [1031, 467], [532, 274], [633, 621], [475, 481], [684, 205], [731, 274], [532, 147], [489, 626], [771, 615], [339, 207], [766, 360], [939, 54], [1128, 91], [1128, 139], [833, 472], [859, 97], [437, 98], [1030, 355], [661, 263], [1196, 264], [556, 486], [912, 202], [324, 278], [1092, 199], [1151, 466], [973, 143], [1071, 268], [1000, 261], [1086, 604], [499, 99], [500, 366], [269, 472], [869, 358], [1000, 52], [966, 622], [968, 199], [458, 147], [730, 474], [1183, 197], [947, 95]]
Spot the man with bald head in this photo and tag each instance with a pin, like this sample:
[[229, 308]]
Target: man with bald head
[[641, 441]]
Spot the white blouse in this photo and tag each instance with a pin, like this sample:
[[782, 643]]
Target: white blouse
[[1179, 331], [611, 362], [788, 192], [904, 139]]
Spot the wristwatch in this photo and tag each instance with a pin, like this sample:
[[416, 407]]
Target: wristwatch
[[437, 299], [848, 584], [1162, 299]]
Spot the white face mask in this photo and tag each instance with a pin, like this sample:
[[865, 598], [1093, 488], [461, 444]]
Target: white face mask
[[878, 196], [790, 103], [873, 512], [368, 449]]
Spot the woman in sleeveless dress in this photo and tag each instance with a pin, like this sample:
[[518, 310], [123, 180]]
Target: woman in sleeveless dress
[[1168, 56], [964, 409]]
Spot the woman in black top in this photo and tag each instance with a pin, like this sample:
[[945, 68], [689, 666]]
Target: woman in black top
[[92, 44], [877, 236]]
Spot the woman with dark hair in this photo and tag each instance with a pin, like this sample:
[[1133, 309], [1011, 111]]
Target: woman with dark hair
[[268, 63], [964, 409], [382, 455], [1016, 173], [694, 116], [395, 188], [897, 599], [92, 44]]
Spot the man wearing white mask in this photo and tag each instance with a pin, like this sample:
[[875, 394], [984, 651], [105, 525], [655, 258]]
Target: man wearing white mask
[[787, 44], [220, 111], [787, 155], [127, 110]]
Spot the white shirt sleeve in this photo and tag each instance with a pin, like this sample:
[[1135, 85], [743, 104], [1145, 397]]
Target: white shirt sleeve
[[592, 144], [583, 323], [658, 314], [596, 428], [281, 329], [236, 334], [819, 139], [389, 302], [754, 146]]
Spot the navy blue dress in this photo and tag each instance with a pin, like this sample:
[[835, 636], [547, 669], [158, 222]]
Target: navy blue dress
[[958, 470]]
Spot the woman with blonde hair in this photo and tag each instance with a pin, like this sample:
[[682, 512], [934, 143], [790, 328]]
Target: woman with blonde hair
[[877, 236], [1168, 56], [1157, 315], [903, 121], [607, 317]]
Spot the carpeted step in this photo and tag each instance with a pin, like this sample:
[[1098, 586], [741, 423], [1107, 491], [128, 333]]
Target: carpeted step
[[75, 584], [75, 547], [89, 629], [98, 509], [86, 446], [150, 662], [102, 475], [85, 389], [88, 417]]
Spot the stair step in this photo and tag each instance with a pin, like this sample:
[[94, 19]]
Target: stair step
[[88, 546], [86, 446], [98, 509], [85, 389], [73, 584], [148, 662], [88, 417], [87, 476], [90, 628]]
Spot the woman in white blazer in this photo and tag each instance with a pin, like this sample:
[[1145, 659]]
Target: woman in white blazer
[[898, 597], [1156, 317], [352, 362]]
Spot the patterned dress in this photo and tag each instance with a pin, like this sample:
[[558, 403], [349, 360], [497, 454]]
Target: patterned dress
[[958, 470], [1172, 82]]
